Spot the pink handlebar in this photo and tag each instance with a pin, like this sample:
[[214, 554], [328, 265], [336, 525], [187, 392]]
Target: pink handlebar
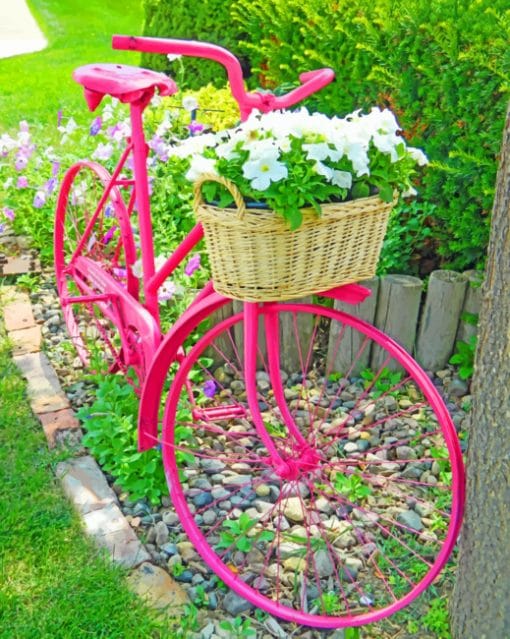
[[311, 81]]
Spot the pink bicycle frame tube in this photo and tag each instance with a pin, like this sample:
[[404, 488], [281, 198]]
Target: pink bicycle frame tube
[[143, 205]]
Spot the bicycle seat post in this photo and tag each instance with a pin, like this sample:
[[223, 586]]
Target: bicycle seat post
[[142, 201]]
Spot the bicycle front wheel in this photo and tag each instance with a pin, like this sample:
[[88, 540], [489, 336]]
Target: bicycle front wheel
[[369, 506]]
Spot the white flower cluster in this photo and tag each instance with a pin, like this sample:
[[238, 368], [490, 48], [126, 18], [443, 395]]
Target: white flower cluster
[[267, 137]]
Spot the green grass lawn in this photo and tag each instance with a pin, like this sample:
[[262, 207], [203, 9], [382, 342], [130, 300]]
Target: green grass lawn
[[35, 86], [53, 582]]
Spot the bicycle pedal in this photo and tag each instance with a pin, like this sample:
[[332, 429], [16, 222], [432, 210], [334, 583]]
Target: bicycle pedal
[[220, 413]]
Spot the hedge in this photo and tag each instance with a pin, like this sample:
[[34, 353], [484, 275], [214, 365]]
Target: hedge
[[208, 20], [442, 65]]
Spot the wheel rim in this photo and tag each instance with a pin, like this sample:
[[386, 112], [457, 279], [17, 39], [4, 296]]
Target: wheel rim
[[367, 513], [92, 327]]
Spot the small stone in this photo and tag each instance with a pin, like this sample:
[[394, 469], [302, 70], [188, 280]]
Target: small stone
[[185, 577], [410, 519], [323, 563], [294, 509], [351, 447], [405, 452], [212, 466], [209, 517], [155, 585], [186, 550], [363, 445], [170, 518], [169, 549], [262, 490], [202, 499], [161, 533], [458, 388], [235, 605], [424, 508]]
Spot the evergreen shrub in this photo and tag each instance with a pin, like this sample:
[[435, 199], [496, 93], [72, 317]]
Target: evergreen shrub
[[209, 21], [443, 66]]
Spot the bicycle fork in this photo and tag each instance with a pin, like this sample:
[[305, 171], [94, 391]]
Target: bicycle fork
[[302, 458]]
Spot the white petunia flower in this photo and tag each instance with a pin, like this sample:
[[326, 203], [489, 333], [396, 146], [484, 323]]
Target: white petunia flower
[[321, 151], [325, 171], [264, 170], [343, 179], [200, 165], [190, 103], [418, 156], [358, 155]]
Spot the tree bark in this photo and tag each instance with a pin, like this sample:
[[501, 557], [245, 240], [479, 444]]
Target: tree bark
[[481, 599]]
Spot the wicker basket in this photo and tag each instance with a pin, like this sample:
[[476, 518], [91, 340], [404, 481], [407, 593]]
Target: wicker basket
[[254, 257]]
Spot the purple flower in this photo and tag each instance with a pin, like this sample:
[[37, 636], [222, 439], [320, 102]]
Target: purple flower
[[51, 185], [167, 291], [22, 182], [21, 162], [120, 272], [55, 166], [209, 388], [2, 228], [96, 126], [103, 152], [9, 214], [23, 126], [107, 237], [195, 127], [193, 265], [108, 211], [59, 117], [39, 199]]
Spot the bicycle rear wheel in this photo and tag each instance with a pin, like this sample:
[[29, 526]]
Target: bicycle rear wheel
[[369, 506], [92, 225]]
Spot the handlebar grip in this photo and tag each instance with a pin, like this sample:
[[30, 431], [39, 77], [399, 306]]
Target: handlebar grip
[[311, 82]]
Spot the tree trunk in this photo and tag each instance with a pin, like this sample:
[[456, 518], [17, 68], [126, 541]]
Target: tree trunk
[[481, 603]]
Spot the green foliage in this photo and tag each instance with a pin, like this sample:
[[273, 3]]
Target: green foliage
[[464, 357], [409, 238], [330, 603], [192, 20], [352, 486], [436, 618], [111, 436], [238, 628], [443, 67], [382, 382], [239, 533]]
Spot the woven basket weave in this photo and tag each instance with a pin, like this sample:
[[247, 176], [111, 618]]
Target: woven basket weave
[[254, 257]]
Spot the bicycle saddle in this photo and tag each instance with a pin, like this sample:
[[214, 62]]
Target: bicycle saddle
[[126, 83]]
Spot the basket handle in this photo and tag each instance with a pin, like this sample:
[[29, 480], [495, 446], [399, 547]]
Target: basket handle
[[198, 199]]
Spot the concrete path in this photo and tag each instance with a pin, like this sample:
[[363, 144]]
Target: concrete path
[[19, 32]]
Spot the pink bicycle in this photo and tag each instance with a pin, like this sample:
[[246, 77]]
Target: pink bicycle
[[322, 490]]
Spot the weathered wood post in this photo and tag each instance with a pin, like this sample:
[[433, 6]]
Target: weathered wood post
[[345, 344], [294, 338], [397, 314], [224, 350], [471, 307], [295, 335], [440, 319]]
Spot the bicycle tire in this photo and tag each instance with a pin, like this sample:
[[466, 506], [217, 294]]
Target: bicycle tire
[[108, 243], [364, 527]]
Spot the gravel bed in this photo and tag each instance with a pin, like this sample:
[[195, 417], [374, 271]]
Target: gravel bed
[[211, 494]]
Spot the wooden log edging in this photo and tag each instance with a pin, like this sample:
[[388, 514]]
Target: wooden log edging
[[440, 319], [426, 323]]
